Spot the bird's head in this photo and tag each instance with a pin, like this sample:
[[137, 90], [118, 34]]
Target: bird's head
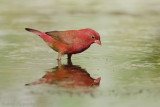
[[92, 36]]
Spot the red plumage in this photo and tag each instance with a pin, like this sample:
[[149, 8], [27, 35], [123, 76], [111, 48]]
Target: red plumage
[[68, 76], [69, 42]]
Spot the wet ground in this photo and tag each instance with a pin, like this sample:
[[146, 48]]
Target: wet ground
[[128, 61]]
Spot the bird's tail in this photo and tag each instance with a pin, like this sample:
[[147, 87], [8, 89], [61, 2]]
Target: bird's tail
[[44, 36]]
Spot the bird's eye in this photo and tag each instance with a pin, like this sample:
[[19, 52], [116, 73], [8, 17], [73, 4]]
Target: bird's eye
[[92, 37]]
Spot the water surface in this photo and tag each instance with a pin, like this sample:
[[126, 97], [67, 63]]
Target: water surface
[[128, 61]]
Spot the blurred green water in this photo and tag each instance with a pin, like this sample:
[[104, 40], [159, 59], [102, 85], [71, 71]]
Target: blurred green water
[[128, 60]]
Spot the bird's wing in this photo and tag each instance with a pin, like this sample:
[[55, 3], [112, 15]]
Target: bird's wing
[[61, 36]]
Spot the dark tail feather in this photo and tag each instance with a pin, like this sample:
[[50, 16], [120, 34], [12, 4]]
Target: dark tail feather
[[35, 31], [30, 30], [43, 35]]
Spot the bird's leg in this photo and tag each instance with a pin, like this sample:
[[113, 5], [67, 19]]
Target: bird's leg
[[59, 56], [69, 59], [59, 63], [69, 62], [69, 56]]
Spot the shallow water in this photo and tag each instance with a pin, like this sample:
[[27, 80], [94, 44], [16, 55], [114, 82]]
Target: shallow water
[[128, 61]]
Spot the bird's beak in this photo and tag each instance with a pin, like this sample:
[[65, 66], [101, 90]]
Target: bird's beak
[[98, 42]]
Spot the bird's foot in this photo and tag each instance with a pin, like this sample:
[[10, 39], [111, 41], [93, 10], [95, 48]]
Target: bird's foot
[[58, 59]]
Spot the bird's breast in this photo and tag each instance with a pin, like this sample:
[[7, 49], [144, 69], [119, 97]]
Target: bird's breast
[[78, 48]]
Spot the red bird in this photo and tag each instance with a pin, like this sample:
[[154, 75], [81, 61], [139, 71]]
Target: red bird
[[69, 42], [68, 76]]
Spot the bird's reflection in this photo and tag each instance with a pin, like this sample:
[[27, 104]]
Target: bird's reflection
[[68, 76]]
